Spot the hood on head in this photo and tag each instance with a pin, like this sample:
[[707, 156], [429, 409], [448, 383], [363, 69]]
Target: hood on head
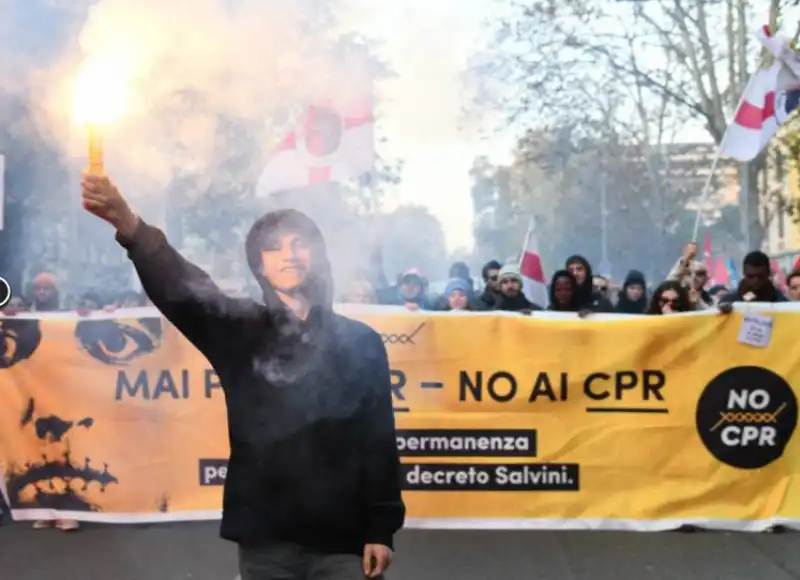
[[457, 284], [319, 284], [635, 278], [459, 270], [552, 289], [412, 276], [586, 289]]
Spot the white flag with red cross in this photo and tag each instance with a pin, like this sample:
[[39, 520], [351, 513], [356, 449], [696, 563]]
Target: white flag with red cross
[[331, 143], [772, 94]]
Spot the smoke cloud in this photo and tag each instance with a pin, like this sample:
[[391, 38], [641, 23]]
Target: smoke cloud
[[192, 69]]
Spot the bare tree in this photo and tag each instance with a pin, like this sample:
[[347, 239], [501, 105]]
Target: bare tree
[[694, 57]]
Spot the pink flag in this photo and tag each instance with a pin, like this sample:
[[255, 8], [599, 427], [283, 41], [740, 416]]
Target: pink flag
[[777, 272], [769, 98], [533, 281], [721, 274], [330, 144]]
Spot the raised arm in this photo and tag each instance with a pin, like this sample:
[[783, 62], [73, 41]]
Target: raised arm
[[183, 293]]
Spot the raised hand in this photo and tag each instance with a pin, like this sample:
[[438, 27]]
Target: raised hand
[[101, 197]]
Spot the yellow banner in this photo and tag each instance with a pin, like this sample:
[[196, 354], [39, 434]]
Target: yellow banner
[[503, 421]]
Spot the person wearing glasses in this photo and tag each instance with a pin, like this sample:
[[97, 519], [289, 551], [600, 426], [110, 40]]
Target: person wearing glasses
[[491, 286], [671, 297]]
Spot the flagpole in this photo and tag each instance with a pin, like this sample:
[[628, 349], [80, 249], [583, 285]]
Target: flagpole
[[715, 162]]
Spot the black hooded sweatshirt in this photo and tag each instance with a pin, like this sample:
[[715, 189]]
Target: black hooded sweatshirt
[[588, 298], [314, 457], [574, 305], [624, 304]]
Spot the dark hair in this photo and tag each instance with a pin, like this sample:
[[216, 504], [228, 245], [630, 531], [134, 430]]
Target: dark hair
[[91, 296], [574, 304], [490, 265], [459, 270], [793, 274], [683, 297], [756, 259]]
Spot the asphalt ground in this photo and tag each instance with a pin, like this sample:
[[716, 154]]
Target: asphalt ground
[[193, 551]]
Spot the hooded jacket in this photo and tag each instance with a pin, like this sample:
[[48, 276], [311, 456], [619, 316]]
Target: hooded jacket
[[588, 298], [313, 456], [627, 306], [573, 305]]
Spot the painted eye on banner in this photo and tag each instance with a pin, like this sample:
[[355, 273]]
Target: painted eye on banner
[[19, 339], [116, 342]]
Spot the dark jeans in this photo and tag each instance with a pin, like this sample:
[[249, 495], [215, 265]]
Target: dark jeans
[[292, 562]]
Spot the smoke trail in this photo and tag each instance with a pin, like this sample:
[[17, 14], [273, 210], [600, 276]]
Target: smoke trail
[[194, 69]]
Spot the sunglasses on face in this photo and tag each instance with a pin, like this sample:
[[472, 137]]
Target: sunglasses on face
[[493, 278], [669, 301]]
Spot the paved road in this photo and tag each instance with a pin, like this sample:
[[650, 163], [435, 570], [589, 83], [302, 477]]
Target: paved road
[[193, 552]]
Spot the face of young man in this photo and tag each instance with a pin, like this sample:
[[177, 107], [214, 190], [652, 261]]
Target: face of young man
[[578, 270], [510, 287], [286, 261]]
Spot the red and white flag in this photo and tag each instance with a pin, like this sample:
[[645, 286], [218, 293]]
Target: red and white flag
[[772, 94], [778, 275], [331, 143], [533, 283]]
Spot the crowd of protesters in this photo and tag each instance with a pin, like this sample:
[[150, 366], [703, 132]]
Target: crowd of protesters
[[574, 288]]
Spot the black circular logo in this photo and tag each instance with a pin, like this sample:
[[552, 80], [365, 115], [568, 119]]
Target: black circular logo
[[746, 416]]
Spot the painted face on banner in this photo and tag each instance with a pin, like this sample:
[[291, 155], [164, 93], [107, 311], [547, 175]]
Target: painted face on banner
[[322, 132]]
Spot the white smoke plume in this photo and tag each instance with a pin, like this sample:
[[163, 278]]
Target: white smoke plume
[[191, 66], [210, 87]]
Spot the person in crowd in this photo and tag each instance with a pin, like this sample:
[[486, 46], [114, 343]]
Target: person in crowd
[[756, 284], [409, 292], [633, 298], [692, 274], [564, 292], [360, 291], [717, 291], [511, 297], [491, 288], [456, 295], [45, 293], [313, 477], [588, 298], [793, 286], [670, 297], [90, 300], [601, 285], [461, 270], [17, 304]]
